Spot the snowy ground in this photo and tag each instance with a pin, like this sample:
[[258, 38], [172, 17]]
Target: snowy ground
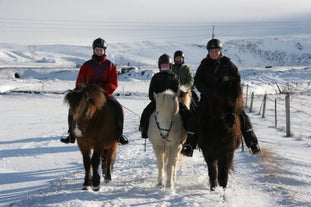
[[38, 170]]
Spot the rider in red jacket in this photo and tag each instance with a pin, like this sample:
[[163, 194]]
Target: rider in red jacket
[[103, 72]]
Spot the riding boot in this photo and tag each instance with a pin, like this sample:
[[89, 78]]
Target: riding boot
[[70, 138], [144, 132], [121, 138], [144, 120], [119, 120], [248, 134], [251, 142], [190, 145], [191, 141], [185, 114]]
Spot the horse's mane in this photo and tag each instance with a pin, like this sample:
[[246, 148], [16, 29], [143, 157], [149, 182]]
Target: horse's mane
[[185, 95], [96, 96], [231, 92], [85, 99]]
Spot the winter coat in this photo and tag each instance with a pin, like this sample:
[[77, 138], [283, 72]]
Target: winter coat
[[211, 72], [102, 72], [162, 81], [184, 74]]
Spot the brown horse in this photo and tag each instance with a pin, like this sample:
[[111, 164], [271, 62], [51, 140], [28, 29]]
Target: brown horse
[[93, 125], [219, 132]]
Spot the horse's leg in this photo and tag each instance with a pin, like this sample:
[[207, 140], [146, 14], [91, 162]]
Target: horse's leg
[[87, 168], [171, 167], [212, 170], [160, 163], [178, 158], [95, 165], [212, 173], [104, 162], [110, 158], [224, 166]]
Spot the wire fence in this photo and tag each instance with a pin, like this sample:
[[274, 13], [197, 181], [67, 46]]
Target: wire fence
[[289, 112]]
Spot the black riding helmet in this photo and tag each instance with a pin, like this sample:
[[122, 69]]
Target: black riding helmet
[[214, 44], [179, 53], [165, 59], [99, 42]]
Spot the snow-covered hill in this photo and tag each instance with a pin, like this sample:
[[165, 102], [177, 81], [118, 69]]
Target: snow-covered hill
[[259, 52]]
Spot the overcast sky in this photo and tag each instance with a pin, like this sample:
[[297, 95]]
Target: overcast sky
[[78, 21], [154, 10]]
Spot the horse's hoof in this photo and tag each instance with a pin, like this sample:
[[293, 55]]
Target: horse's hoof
[[96, 188], [107, 180], [171, 187], [86, 187], [160, 185]]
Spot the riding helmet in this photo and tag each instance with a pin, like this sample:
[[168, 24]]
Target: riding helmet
[[179, 53], [164, 59], [99, 42], [214, 44]]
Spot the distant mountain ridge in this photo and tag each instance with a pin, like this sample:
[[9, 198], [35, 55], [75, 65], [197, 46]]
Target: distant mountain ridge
[[255, 52]]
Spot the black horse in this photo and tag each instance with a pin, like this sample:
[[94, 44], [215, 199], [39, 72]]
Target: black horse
[[219, 132]]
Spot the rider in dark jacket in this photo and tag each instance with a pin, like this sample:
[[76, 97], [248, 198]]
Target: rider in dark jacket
[[213, 68], [160, 82]]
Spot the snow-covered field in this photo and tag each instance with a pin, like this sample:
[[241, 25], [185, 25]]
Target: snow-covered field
[[38, 170]]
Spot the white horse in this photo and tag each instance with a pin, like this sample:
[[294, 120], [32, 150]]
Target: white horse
[[167, 134]]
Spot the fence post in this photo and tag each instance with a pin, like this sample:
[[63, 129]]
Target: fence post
[[246, 96], [264, 106], [251, 104], [287, 109], [275, 113]]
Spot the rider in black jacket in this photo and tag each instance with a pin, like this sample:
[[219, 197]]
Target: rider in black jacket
[[160, 82], [213, 68]]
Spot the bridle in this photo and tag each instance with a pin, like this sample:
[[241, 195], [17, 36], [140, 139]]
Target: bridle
[[163, 129]]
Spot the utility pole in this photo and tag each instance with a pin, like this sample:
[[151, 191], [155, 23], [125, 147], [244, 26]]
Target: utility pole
[[213, 34]]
